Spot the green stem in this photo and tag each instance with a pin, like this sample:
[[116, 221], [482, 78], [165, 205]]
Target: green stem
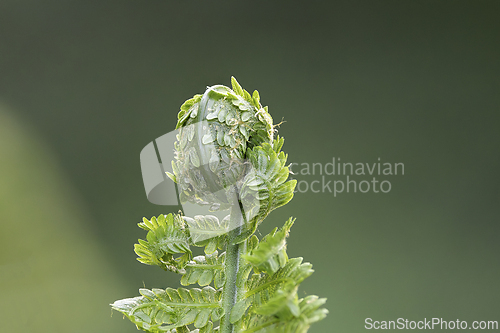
[[233, 289]]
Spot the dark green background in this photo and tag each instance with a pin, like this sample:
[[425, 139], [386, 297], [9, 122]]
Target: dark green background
[[412, 82]]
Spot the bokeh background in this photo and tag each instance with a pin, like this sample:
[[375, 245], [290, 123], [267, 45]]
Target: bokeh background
[[85, 85]]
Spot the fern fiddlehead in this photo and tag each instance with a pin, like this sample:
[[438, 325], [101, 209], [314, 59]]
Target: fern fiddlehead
[[226, 158]]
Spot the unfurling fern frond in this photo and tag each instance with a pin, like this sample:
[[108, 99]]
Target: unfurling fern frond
[[228, 159], [161, 310]]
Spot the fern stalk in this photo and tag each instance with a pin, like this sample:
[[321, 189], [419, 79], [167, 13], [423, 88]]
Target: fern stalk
[[234, 252], [228, 159]]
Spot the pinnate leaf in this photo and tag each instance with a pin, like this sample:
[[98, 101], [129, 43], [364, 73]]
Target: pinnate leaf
[[309, 312], [160, 310], [166, 237], [208, 231], [270, 254], [205, 269]]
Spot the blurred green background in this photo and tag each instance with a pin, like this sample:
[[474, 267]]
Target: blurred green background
[[85, 85]]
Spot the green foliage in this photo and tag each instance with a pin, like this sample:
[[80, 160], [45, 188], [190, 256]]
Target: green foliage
[[166, 237], [275, 293], [189, 107], [204, 269], [310, 311], [270, 253], [215, 130], [208, 231], [253, 280], [161, 310], [267, 182]]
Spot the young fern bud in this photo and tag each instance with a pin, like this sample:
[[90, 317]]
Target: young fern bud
[[225, 154], [226, 157], [215, 131]]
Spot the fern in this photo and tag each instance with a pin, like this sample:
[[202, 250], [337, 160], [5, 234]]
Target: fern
[[205, 269], [266, 182], [226, 157], [269, 294], [166, 237], [208, 231], [310, 311], [161, 310], [270, 254]]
